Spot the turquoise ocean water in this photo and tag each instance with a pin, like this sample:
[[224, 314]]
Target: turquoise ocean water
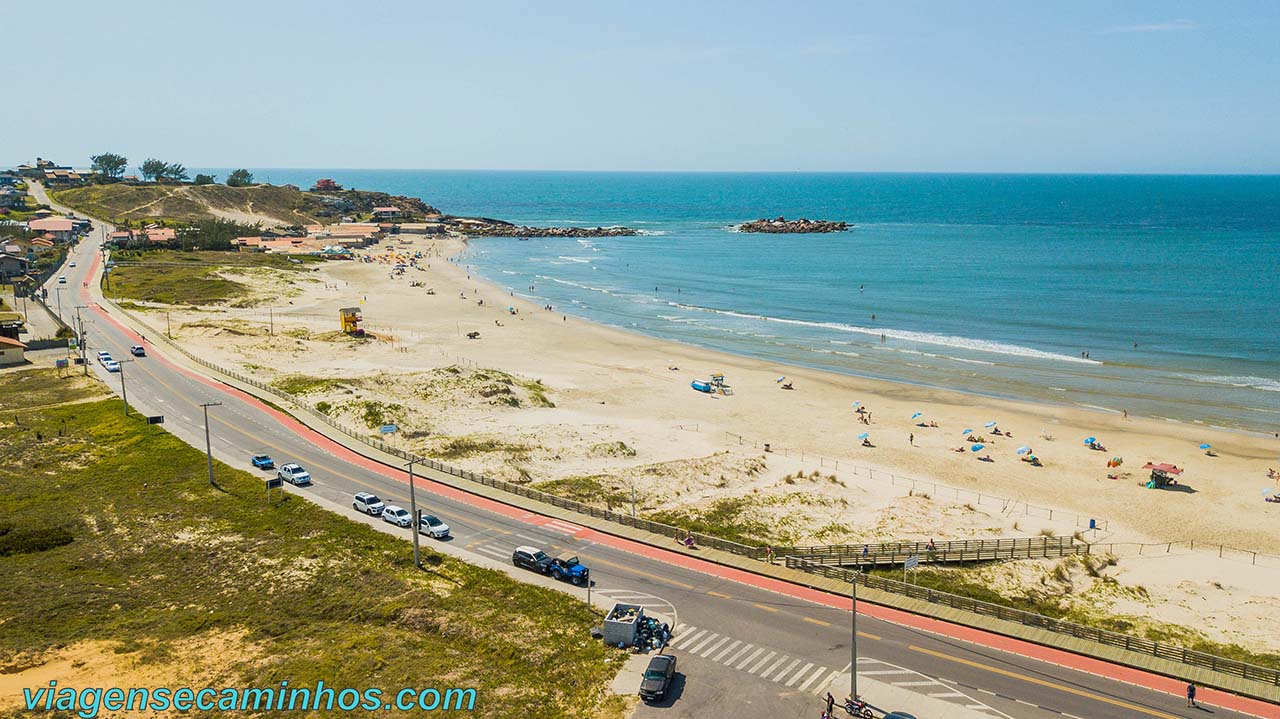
[[992, 284]]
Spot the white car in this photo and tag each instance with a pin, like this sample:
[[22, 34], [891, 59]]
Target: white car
[[397, 515], [62, 280], [430, 525], [111, 365], [103, 355], [294, 474], [367, 503], [71, 264]]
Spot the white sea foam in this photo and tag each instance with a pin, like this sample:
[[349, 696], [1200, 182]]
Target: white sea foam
[[582, 260], [930, 338], [1263, 383]]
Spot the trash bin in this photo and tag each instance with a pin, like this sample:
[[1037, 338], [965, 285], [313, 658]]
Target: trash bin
[[1093, 524]]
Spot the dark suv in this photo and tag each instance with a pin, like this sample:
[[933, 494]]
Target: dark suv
[[532, 558], [657, 678]]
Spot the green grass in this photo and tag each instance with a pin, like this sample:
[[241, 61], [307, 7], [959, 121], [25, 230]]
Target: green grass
[[727, 518], [187, 278], [300, 384], [158, 556], [471, 445], [184, 203], [591, 489]]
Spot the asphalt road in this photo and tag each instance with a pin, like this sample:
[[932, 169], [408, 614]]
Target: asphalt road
[[742, 649]]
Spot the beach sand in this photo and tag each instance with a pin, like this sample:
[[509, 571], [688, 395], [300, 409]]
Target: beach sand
[[682, 448]]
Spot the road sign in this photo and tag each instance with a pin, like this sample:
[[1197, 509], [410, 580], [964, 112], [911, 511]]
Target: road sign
[[60, 364], [274, 483], [913, 561], [158, 419], [388, 428]]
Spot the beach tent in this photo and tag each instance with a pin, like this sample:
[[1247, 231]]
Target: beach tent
[[701, 385], [1162, 474]]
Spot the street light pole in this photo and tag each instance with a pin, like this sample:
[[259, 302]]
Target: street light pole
[[208, 447], [58, 289], [413, 508], [84, 358], [124, 393], [853, 643]]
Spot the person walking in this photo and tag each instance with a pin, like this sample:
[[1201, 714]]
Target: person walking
[[911, 439], [831, 703], [1191, 695]]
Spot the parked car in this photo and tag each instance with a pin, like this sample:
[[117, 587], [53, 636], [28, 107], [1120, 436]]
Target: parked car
[[567, 566], [294, 474], [397, 515], [532, 558], [62, 280], [263, 461], [430, 525], [138, 351], [103, 355], [71, 264], [657, 677], [367, 503], [111, 365]]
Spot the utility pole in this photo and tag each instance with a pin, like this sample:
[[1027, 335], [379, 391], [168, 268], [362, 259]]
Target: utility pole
[[58, 289], [633, 499], [168, 328], [84, 358], [853, 642], [272, 314], [413, 509], [123, 392], [208, 447]]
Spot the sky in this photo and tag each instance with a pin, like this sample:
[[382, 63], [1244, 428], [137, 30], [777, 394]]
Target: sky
[[1070, 86]]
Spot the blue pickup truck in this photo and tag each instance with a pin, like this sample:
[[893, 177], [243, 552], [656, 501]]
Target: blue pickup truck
[[567, 567], [262, 461]]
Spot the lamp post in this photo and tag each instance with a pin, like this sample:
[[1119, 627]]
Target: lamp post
[[58, 289], [84, 358], [413, 508], [124, 393], [208, 448], [853, 642]]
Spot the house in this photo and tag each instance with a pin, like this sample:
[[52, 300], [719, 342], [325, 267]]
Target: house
[[158, 235], [386, 213], [326, 185], [62, 176], [9, 179], [13, 265], [11, 325], [120, 237], [59, 229], [13, 199], [12, 352]]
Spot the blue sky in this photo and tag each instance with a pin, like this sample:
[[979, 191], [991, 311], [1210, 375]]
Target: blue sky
[[901, 86]]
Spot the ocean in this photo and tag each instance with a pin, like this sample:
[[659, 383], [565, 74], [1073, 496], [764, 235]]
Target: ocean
[[993, 284]]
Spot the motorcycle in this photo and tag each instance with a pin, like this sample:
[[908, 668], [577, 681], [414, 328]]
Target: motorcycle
[[858, 708]]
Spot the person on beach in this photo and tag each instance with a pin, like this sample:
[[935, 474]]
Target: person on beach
[[911, 439]]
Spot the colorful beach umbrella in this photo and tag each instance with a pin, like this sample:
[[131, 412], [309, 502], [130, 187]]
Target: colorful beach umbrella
[[917, 414], [864, 435], [1205, 446], [1024, 450], [977, 447], [989, 425], [1090, 440], [967, 431]]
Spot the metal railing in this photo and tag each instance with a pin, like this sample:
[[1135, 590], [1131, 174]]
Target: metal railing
[[1190, 657], [1163, 650], [968, 550]]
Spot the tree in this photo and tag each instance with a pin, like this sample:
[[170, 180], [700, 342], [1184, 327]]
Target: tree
[[176, 172], [109, 164], [205, 179], [240, 178], [153, 169]]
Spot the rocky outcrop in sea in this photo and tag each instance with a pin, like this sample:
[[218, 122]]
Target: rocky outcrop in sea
[[782, 225], [498, 228]]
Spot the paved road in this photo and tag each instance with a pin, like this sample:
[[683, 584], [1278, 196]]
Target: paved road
[[742, 649]]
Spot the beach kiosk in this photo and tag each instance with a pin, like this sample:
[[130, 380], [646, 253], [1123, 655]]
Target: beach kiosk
[[350, 319], [1162, 475]]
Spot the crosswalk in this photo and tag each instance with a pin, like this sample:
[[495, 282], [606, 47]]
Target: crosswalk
[[768, 664], [911, 679]]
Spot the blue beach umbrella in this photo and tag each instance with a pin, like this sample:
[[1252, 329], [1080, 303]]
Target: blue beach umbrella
[[864, 435], [1024, 450], [977, 448], [967, 431], [917, 414], [855, 404], [780, 378], [1205, 446], [989, 425], [1269, 490], [1090, 440]]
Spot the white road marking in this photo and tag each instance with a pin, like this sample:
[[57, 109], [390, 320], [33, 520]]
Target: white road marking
[[726, 650], [917, 684], [945, 695], [797, 675], [778, 677], [691, 648], [880, 672], [810, 679], [757, 667], [714, 647], [748, 660], [736, 655], [774, 667], [687, 638]]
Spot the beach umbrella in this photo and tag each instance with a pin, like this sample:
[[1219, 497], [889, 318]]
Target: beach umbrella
[[1205, 446], [989, 425], [1090, 440], [977, 447], [917, 414], [855, 404], [864, 435], [780, 378], [1269, 490], [1024, 450], [967, 431]]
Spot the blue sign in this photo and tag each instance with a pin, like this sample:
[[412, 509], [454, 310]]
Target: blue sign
[[388, 428]]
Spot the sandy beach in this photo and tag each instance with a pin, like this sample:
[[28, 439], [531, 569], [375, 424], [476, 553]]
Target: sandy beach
[[625, 416]]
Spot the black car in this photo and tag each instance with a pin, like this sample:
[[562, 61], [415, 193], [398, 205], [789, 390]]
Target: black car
[[532, 558], [657, 678]]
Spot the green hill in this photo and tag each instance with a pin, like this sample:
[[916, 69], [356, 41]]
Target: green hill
[[266, 204]]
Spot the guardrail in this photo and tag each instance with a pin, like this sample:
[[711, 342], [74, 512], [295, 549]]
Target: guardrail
[[970, 550], [1190, 657], [1136, 644]]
